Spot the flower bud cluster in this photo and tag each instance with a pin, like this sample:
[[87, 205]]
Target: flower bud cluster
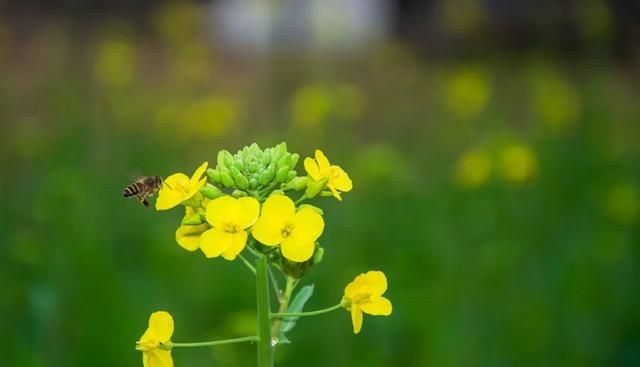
[[252, 168]]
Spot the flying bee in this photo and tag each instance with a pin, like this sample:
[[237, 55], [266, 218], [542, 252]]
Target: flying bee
[[143, 188]]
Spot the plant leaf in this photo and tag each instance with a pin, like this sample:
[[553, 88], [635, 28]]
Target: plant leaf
[[296, 305]]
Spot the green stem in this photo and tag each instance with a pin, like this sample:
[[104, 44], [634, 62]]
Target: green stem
[[284, 305], [308, 313], [301, 199], [252, 338], [265, 350], [247, 263]]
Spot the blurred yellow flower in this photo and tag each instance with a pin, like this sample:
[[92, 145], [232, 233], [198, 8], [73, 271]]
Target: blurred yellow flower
[[473, 169], [229, 217], [518, 163], [468, 93], [210, 117], [159, 332], [295, 232], [319, 168], [364, 294], [556, 102], [178, 188], [115, 62], [311, 106], [623, 203]]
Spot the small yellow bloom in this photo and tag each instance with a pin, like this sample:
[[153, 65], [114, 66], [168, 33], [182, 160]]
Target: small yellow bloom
[[178, 188], [518, 163], [159, 332], [364, 294], [320, 168], [295, 232], [229, 217]]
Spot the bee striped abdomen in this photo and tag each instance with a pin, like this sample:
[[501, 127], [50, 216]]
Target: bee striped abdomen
[[133, 189]]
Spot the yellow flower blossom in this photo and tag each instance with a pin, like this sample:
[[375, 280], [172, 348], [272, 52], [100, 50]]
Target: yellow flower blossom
[[178, 188], [320, 168], [159, 332], [229, 217], [295, 232], [364, 294]]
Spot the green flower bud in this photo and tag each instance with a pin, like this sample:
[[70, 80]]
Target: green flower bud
[[238, 163], [226, 178], [238, 177], [284, 161], [297, 184], [211, 192], [238, 194], [228, 158], [277, 192], [326, 193], [314, 208], [254, 166], [267, 175], [314, 187], [291, 175], [318, 256], [294, 160], [265, 159], [282, 174], [220, 159], [214, 175], [192, 220], [253, 183]]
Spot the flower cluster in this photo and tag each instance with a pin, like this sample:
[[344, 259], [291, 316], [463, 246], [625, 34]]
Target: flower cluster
[[245, 203]]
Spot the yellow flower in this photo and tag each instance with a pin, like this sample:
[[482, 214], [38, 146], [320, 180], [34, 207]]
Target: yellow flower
[[364, 294], [159, 332], [295, 232], [229, 217], [178, 188], [320, 168]]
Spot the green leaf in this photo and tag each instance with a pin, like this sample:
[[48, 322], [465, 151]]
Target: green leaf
[[296, 305]]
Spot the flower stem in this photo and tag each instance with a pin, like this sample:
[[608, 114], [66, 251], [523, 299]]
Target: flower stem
[[252, 338], [281, 315], [265, 350], [247, 263], [284, 305], [301, 199]]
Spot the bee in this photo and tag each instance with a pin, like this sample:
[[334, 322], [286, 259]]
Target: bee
[[143, 188]]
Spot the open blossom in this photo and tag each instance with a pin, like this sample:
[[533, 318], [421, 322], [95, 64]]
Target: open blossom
[[295, 232], [364, 294], [230, 217], [159, 332], [178, 188], [319, 168]]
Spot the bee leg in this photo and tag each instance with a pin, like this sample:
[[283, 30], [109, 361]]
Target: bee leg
[[145, 202]]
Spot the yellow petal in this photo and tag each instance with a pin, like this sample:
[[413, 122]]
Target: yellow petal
[[296, 250], [278, 206], [308, 225], [378, 307], [238, 242], [312, 169], [158, 358], [376, 281], [214, 242], [189, 236], [218, 210], [168, 199], [340, 180], [336, 193], [247, 212], [160, 326], [267, 232], [199, 172], [175, 182], [356, 319], [323, 162]]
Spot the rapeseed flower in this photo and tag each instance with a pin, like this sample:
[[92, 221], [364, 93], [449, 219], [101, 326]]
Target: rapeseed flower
[[364, 294], [153, 342], [319, 168], [179, 188], [295, 232], [230, 217]]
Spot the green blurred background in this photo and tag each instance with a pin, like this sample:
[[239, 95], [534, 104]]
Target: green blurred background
[[494, 150]]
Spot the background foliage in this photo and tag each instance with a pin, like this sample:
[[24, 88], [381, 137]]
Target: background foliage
[[497, 185]]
